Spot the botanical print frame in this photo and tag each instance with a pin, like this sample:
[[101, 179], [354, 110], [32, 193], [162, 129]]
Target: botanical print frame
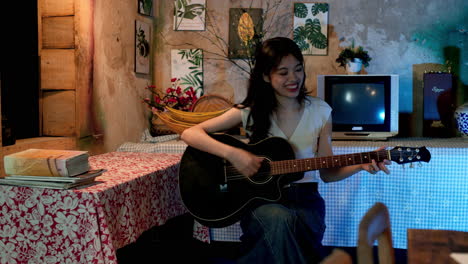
[[145, 7], [189, 15], [142, 47], [310, 27], [187, 66], [244, 26]]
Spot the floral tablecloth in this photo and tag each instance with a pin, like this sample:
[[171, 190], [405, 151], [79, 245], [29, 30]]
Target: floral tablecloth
[[88, 225]]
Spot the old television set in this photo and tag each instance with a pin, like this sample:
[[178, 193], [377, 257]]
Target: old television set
[[365, 107]]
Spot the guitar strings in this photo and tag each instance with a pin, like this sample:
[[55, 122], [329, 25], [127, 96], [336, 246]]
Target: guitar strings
[[233, 173]]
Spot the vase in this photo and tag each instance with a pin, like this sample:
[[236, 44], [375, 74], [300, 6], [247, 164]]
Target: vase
[[158, 127], [354, 66], [461, 115]]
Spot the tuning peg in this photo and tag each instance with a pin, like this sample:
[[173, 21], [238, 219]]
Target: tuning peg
[[420, 164], [411, 165], [403, 165]]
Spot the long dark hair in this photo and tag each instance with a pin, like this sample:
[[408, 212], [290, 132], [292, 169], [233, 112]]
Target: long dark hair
[[260, 95]]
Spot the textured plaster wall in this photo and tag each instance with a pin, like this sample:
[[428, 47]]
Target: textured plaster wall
[[118, 90], [397, 33], [400, 36]]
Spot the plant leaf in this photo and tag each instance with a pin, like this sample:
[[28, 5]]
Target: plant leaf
[[321, 7], [300, 10], [245, 28]]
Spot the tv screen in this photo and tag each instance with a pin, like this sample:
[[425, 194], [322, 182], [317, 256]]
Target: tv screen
[[364, 106]]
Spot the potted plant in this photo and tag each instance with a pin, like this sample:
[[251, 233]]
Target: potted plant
[[353, 58]]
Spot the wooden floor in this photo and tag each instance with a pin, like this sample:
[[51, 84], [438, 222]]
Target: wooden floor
[[173, 243]]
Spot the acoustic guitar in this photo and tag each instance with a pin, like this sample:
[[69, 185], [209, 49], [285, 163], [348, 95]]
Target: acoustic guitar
[[216, 194]]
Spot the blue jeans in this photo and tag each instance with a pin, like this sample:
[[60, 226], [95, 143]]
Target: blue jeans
[[290, 231]]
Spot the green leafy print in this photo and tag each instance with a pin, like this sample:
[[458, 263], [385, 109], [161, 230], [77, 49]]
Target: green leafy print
[[317, 8], [311, 33], [184, 10], [300, 36], [147, 5], [300, 10], [195, 77], [143, 44]]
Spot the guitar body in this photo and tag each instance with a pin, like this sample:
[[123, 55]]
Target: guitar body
[[217, 195]]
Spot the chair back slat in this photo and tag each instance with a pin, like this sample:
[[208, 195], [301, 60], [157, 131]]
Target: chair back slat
[[375, 226]]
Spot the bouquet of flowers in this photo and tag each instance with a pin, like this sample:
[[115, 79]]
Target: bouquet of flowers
[[175, 97]]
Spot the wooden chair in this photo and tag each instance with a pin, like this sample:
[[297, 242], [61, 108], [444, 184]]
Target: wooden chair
[[338, 256], [435, 246], [375, 225]]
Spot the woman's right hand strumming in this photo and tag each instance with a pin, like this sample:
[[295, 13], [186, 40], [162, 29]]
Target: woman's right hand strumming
[[244, 161]]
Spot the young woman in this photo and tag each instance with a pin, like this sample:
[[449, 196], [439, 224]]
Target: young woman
[[277, 104]]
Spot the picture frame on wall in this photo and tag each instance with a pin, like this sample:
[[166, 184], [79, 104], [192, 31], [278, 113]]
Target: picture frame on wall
[[189, 15], [245, 24], [310, 27], [145, 7], [187, 68], [142, 47]]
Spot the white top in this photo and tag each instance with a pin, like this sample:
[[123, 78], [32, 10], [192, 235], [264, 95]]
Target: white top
[[304, 139]]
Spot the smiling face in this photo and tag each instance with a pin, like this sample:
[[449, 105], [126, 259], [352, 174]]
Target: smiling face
[[287, 78]]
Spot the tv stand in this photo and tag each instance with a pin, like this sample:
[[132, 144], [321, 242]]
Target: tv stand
[[371, 136]]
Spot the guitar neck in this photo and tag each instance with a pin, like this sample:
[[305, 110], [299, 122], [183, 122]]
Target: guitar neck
[[310, 164]]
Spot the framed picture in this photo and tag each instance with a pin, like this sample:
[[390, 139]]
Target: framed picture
[[142, 47], [145, 7], [244, 26], [310, 28], [187, 66], [189, 15]]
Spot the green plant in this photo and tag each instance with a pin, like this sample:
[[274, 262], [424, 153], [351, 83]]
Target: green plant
[[350, 53]]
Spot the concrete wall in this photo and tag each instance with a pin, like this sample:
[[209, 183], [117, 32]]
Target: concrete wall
[[118, 91], [398, 34]]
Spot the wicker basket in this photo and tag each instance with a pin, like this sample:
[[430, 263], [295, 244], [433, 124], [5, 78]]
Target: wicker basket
[[193, 117], [210, 103], [206, 107], [158, 127], [174, 125]]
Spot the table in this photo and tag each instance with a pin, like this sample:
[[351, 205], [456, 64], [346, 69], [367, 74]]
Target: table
[[88, 225], [434, 196], [427, 246]]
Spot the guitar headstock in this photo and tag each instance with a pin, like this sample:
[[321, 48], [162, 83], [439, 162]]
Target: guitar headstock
[[402, 155]]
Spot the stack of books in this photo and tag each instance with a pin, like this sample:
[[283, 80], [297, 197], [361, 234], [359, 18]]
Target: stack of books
[[49, 168]]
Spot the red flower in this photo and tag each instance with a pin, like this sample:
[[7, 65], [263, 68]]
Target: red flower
[[175, 97]]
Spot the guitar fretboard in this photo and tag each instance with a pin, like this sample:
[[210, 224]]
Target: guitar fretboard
[[301, 165]]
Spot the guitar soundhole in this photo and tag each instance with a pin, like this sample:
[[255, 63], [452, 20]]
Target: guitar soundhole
[[264, 173]]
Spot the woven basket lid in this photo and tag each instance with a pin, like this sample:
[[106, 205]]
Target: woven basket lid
[[210, 103]]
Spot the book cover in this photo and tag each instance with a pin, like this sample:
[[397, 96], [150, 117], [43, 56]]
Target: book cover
[[47, 162], [45, 184], [78, 178]]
